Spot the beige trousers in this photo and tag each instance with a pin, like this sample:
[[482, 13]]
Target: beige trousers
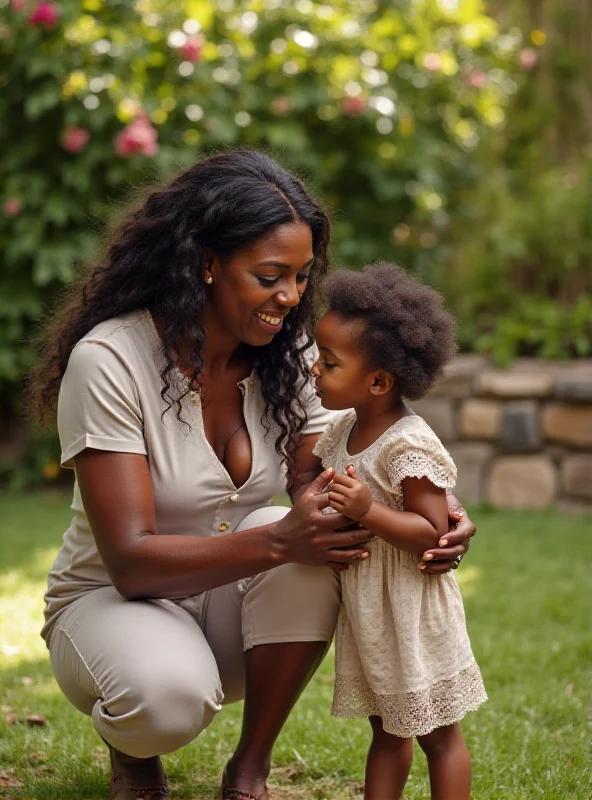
[[152, 674]]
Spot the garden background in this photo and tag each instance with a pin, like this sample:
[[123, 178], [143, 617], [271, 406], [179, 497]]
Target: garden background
[[452, 136]]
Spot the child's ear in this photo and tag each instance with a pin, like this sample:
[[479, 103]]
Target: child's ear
[[382, 382]]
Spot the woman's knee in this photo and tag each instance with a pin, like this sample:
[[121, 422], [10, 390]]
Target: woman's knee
[[293, 602], [160, 715]]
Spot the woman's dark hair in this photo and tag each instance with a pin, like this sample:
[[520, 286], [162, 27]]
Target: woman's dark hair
[[154, 259], [406, 330]]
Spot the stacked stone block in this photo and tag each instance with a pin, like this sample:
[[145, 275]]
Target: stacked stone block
[[521, 437]]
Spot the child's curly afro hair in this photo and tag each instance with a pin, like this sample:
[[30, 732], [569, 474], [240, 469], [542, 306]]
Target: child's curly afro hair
[[407, 331]]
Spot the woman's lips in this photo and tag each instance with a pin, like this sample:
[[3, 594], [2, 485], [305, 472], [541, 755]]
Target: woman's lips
[[269, 322]]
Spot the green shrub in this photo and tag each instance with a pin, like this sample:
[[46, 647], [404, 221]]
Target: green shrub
[[425, 125], [378, 105]]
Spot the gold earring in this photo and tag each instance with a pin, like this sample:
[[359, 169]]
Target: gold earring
[[209, 279]]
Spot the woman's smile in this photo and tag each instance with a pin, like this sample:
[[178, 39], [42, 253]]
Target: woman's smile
[[271, 323]]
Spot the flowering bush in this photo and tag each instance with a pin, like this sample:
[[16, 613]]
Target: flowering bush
[[139, 136], [379, 112], [390, 117]]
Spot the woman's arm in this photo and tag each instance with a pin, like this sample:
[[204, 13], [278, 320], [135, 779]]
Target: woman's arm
[[116, 490], [454, 542], [307, 467]]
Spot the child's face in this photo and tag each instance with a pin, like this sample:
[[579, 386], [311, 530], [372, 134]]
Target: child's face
[[343, 379]]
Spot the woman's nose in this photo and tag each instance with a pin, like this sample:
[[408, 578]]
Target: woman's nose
[[315, 371], [289, 296]]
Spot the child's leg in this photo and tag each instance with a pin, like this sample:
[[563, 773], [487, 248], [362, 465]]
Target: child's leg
[[388, 765], [449, 763]]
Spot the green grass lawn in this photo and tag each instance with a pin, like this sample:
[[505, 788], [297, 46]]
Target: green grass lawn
[[526, 596]]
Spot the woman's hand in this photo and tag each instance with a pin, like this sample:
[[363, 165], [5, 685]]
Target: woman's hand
[[307, 536], [455, 543]]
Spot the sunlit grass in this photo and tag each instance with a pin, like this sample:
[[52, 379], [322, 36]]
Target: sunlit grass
[[525, 589]]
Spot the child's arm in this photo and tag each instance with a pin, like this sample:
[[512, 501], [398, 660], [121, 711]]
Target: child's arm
[[416, 529]]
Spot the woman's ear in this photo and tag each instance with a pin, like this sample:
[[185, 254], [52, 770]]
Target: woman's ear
[[209, 263], [382, 382]]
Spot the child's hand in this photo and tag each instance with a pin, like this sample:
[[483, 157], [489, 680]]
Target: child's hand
[[349, 496]]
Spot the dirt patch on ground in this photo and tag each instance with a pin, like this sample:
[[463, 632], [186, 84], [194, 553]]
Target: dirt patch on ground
[[312, 790]]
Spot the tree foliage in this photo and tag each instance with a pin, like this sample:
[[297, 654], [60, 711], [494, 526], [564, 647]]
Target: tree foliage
[[396, 114]]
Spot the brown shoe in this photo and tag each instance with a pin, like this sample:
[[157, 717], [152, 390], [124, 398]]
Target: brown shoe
[[226, 793], [137, 778]]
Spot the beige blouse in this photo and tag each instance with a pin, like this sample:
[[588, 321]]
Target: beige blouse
[[110, 400]]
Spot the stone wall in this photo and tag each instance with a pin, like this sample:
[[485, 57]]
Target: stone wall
[[521, 437]]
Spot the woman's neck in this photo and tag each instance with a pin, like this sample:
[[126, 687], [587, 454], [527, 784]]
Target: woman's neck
[[220, 352]]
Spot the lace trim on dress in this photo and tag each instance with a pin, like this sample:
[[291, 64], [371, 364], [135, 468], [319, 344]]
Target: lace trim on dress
[[434, 464], [413, 713]]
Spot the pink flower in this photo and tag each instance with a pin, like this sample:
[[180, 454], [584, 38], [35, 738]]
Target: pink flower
[[139, 136], [12, 206], [353, 105], [46, 14], [528, 58], [74, 139], [18, 5], [280, 104], [432, 61], [477, 79], [191, 50]]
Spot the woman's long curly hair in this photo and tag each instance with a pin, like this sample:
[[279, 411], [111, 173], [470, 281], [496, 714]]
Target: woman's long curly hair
[[154, 260]]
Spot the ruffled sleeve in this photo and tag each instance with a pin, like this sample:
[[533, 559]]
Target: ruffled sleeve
[[326, 447], [416, 452]]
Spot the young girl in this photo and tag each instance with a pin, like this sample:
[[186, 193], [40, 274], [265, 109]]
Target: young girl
[[403, 654]]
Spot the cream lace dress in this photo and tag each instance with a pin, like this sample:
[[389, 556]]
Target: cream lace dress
[[402, 649]]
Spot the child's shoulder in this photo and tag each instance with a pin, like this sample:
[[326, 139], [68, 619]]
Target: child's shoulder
[[413, 450], [340, 422], [412, 429], [331, 436]]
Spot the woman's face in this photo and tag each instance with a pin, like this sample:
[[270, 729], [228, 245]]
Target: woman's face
[[251, 294]]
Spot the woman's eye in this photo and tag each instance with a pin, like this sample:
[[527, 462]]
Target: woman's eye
[[302, 278], [267, 281], [327, 365]]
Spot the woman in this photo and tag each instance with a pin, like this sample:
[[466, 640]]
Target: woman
[[184, 406]]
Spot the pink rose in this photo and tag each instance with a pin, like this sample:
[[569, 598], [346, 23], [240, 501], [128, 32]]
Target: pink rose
[[528, 58], [477, 79], [74, 139], [46, 14], [432, 61], [12, 206], [191, 50], [139, 136], [353, 105], [280, 105]]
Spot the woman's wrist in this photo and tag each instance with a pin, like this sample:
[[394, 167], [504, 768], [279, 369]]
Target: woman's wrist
[[275, 543]]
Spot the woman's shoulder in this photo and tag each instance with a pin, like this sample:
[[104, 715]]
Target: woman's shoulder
[[132, 326], [130, 336]]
